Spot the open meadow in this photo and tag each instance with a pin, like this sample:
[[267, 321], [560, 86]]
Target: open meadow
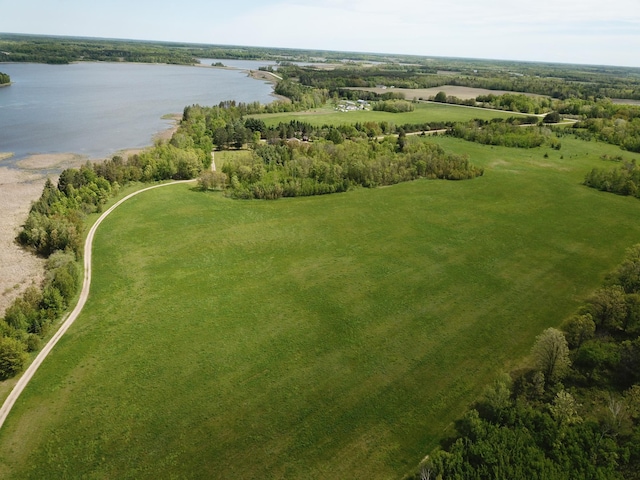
[[326, 337], [423, 113]]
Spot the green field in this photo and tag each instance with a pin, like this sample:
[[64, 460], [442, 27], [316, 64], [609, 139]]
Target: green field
[[423, 113], [320, 337]]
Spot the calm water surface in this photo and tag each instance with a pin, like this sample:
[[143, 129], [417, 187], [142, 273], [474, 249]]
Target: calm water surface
[[95, 109]]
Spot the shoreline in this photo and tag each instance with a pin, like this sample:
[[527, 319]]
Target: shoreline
[[268, 78], [21, 183], [19, 268]]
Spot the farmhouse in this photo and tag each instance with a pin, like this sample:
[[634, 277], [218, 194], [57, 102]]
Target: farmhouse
[[350, 106]]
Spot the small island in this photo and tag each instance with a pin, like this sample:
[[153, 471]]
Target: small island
[[4, 79]]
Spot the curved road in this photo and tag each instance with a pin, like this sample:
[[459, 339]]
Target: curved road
[[84, 294]]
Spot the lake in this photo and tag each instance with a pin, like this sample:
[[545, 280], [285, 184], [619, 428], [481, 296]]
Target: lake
[[96, 109]]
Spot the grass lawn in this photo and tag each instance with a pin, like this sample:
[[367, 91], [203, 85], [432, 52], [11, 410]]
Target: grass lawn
[[322, 337], [423, 113]]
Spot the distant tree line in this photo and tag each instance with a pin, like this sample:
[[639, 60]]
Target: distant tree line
[[306, 131], [512, 102], [442, 97], [507, 133], [574, 413], [4, 78], [564, 82], [63, 50], [516, 103], [349, 94]]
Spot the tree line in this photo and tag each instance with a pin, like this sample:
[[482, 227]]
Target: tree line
[[516, 103], [302, 96], [558, 82], [506, 132], [622, 180], [601, 119], [294, 168], [54, 230], [512, 102], [617, 131], [393, 106], [63, 50], [574, 412]]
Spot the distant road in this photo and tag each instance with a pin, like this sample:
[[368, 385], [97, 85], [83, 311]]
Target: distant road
[[84, 294]]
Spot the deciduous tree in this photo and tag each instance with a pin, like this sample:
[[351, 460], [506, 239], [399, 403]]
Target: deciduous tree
[[551, 354], [579, 328], [13, 357]]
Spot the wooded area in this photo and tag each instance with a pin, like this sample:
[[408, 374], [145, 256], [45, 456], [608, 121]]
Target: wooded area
[[575, 412]]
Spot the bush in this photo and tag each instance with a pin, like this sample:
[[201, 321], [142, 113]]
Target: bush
[[553, 117], [33, 342], [209, 180], [13, 357]]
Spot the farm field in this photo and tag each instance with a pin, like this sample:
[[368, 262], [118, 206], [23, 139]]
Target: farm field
[[464, 93], [423, 113], [322, 337]]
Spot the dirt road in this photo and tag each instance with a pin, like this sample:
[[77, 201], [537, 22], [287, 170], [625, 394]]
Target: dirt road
[[84, 294]]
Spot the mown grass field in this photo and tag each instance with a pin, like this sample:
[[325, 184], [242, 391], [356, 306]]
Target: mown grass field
[[324, 337], [423, 113]]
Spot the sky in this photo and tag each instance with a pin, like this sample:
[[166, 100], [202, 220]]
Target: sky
[[566, 31]]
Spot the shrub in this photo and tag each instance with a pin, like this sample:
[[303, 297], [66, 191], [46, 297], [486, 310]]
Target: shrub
[[12, 357]]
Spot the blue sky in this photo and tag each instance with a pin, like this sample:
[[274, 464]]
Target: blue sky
[[568, 31]]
